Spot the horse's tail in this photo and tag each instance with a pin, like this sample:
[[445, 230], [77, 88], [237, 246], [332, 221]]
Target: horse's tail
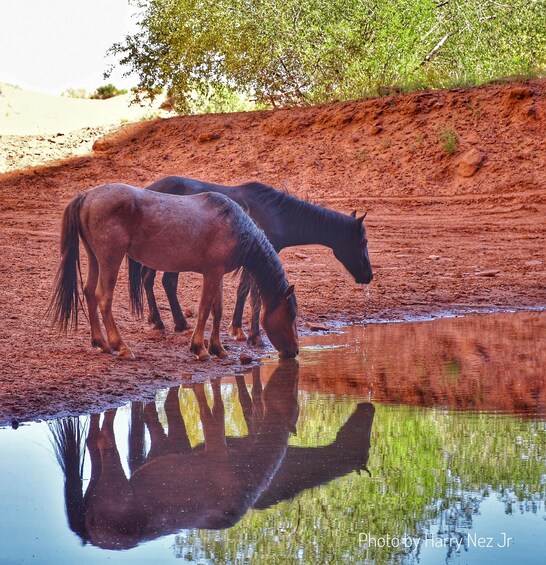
[[135, 287], [63, 307], [68, 440]]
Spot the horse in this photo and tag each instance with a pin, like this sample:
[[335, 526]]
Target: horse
[[206, 233], [173, 485], [286, 221], [176, 486]]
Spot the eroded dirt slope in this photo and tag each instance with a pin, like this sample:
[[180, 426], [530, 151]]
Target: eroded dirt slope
[[453, 181]]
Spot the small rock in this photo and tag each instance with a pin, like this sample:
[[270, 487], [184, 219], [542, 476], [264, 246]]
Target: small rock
[[245, 359], [204, 137], [533, 263], [301, 256], [189, 313], [375, 129], [488, 273], [470, 162], [434, 257], [101, 145], [317, 327]]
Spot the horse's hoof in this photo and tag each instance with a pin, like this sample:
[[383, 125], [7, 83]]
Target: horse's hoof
[[182, 328], [199, 351], [220, 352], [237, 333], [157, 325], [102, 346], [256, 341], [203, 355], [126, 354]]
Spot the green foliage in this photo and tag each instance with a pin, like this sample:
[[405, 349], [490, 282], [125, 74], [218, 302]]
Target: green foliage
[[107, 91], [450, 141], [285, 52]]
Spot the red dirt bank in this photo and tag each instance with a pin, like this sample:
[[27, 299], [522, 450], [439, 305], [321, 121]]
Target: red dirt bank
[[446, 232]]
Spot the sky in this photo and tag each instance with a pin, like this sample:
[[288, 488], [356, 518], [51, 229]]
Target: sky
[[52, 45]]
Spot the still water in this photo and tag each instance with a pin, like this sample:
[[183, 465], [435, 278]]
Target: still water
[[391, 443]]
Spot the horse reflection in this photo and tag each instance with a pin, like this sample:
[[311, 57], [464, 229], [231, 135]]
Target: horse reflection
[[175, 486], [305, 468]]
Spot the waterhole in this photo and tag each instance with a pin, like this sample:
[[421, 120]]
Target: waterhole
[[409, 443]]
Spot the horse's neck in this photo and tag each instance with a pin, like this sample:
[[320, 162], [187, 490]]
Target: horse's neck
[[265, 274], [308, 224]]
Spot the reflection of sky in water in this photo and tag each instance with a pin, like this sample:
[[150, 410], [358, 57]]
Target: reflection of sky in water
[[451, 475], [493, 537]]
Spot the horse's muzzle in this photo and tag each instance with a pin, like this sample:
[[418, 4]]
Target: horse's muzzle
[[366, 279]]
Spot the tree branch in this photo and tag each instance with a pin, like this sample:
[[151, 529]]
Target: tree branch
[[435, 50]]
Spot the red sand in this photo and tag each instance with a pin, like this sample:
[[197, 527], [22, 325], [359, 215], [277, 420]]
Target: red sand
[[446, 232]]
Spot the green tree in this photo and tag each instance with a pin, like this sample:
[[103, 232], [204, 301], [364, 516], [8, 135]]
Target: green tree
[[285, 52], [107, 91]]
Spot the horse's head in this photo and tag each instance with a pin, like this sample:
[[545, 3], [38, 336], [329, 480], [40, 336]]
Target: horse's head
[[279, 324], [352, 251]]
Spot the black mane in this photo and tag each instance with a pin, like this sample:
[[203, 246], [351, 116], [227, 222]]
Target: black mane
[[308, 216], [255, 252]]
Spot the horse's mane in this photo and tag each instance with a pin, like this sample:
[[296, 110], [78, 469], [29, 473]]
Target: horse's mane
[[255, 252], [306, 213]]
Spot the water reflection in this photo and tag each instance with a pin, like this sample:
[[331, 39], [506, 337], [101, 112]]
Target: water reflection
[[174, 486], [215, 474], [479, 362]]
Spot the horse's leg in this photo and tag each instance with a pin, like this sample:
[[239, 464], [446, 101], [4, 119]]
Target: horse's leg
[[108, 272], [215, 346], [136, 437], [89, 291], [236, 327], [212, 421], [177, 436], [156, 431], [112, 501], [148, 278], [170, 284], [255, 338], [211, 280]]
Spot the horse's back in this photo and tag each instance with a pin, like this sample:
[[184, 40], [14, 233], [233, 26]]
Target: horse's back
[[183, 186], [260, 201], [162, 231]]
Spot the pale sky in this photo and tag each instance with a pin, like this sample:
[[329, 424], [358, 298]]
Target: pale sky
[[51, 45]]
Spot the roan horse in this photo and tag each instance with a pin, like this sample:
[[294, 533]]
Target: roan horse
[[286, 221], [176, 486], [206, 233]]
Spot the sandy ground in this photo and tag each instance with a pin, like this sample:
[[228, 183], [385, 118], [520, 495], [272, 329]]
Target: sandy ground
[[37, 128], [448, 231]]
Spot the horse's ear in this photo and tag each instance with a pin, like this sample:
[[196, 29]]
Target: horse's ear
[[361, 219], [289, 291], [353, 213]]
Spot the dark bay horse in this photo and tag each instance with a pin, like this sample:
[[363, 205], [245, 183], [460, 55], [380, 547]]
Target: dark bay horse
[[286, 221], [206, 233]]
